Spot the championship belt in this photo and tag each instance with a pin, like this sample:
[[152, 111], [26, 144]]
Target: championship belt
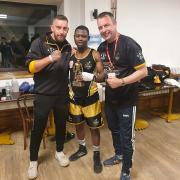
[[77, 70]]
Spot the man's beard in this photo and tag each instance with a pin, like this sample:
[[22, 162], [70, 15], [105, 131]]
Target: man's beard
[[58, 40], [61, 39]]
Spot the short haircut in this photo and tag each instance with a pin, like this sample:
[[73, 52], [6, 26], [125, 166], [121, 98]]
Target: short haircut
[[106, 13], [61, 17], [81, 27]]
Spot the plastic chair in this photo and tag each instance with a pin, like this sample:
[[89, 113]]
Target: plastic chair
[[25, 106]]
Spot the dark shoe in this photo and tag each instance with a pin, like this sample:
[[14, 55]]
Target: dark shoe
[[97, 162], [69, 136], [125, 176], [113, 160], [82, 151]]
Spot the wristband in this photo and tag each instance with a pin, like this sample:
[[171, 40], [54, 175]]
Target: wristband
[[51, 59], [123, 82]]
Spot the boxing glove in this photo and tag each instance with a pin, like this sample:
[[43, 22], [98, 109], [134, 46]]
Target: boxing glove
[[24, 87]]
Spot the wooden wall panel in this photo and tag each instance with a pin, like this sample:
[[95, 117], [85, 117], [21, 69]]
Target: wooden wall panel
[[158, 101], [10, 119]]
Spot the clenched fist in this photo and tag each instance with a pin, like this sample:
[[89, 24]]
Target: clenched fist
[[56, 55]]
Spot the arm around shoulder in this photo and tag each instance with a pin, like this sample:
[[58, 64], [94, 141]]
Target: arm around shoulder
[[99, 67]]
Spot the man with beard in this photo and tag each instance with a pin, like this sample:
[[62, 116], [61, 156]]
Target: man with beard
[[47, 59]]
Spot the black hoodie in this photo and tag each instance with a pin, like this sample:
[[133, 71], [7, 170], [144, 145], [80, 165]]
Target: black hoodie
[[53, 79]]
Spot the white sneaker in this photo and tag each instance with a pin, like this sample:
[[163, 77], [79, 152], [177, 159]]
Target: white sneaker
[[32, 170], [62, 159]]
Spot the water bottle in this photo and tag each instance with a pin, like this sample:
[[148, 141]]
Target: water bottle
[[8, 91], [15, 86]]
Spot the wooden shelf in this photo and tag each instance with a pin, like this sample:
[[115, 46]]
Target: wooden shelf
[[17, 74], [175, 75]]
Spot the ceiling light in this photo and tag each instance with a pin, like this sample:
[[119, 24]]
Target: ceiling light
[[3, 16]]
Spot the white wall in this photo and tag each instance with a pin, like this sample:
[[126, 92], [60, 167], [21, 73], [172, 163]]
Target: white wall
[[74, 10], [155, 25], [60, 8], [79, 12], [90, 5]]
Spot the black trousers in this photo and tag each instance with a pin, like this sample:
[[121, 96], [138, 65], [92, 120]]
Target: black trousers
[[42, 107], [121, 124]]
